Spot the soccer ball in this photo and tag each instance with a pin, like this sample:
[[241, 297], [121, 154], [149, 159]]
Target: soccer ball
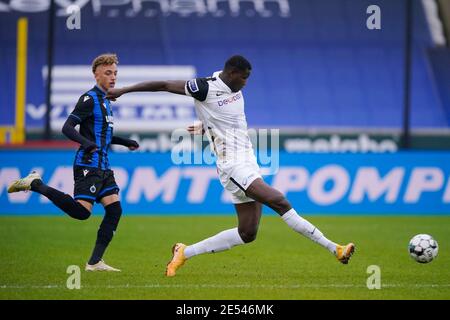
[[423, 248]]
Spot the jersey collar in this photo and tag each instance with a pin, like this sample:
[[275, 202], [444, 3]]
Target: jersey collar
[[100, 90], [226, 88]]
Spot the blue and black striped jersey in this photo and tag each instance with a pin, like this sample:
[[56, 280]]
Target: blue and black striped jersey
[[94, 115]]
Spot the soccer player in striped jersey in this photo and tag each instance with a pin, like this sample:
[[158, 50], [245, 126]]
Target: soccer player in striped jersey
[[94, 179], [219, 104]]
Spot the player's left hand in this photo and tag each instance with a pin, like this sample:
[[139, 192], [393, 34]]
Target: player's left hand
[[133, 145]]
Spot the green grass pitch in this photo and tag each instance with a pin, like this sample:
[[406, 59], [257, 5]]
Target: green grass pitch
[[35, 253]]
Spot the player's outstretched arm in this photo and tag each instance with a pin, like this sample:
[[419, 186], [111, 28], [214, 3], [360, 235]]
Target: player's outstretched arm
[[175, 86], [130, 144]]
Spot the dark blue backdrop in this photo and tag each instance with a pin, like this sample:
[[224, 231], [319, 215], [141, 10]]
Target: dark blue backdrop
[[315, 63]]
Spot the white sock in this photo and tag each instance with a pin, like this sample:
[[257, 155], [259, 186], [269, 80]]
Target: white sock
[[304, 227], [222, 241]]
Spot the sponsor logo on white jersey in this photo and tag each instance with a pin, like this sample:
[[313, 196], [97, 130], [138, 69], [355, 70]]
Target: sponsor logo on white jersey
[[229, 100]]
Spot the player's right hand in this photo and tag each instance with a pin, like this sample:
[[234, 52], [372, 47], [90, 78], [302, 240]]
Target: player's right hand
[[88, 152], [113, 94], [196, 128], [90, 148]]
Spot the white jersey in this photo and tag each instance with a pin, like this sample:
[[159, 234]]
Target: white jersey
[[222, 113]]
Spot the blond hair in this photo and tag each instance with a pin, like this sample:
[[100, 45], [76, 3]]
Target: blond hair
[[104, 59]]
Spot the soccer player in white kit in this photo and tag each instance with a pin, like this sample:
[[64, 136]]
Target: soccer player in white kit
[[219, 104]]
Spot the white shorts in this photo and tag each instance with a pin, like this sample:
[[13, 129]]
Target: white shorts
[[237, 177]]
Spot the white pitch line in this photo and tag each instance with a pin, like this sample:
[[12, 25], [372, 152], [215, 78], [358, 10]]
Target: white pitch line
[[222, 286]]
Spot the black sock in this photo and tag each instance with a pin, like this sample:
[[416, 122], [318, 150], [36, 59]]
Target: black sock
[[62, 200], [106, 231]]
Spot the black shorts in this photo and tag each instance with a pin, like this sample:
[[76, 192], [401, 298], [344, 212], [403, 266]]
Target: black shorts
[[92, 184]]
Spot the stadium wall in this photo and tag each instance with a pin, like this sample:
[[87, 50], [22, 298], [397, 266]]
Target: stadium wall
[[388, 183], [440, 62], [315, 63]]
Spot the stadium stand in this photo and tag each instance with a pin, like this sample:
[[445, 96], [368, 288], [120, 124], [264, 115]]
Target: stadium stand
[[315, 62]]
